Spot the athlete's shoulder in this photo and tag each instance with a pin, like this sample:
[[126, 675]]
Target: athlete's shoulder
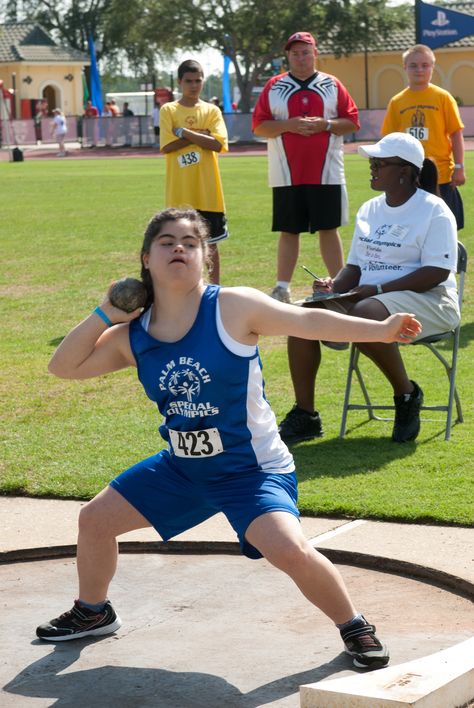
[[434, 89], [284, 78], [238, 292], [169, 106], [400, 96]]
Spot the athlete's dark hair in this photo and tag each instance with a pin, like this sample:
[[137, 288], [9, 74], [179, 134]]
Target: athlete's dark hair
[[427, 177], [189, 65], [154, 228]]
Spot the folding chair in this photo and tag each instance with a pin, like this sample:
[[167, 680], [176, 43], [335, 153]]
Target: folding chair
[[429, 342]]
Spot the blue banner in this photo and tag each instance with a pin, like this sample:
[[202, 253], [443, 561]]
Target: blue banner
[[96, 88], [226, 96], [439, 25]]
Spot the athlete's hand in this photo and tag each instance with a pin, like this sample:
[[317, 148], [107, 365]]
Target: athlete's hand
[[458, 178], [115, 314], [317, 124], [401, 328], [300, 125], [323, 285], [362, 292]]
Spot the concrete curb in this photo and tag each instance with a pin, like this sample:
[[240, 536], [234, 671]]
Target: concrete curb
[[446, 581]]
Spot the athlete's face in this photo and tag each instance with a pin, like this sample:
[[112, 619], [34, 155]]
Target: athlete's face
[[176, 253], [386, 173], [191, 85], [419, 67], [301, 59]]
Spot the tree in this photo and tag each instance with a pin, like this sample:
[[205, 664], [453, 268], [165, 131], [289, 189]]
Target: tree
[[363, 26], [356, 25], [250, 32], [253, 32]]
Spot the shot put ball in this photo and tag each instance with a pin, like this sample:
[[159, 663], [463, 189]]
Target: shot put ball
[[128, 294]]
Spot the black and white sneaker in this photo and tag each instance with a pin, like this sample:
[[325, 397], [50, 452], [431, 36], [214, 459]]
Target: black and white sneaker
[[362, 644], [407, 415], [300, 425], [80, 622]]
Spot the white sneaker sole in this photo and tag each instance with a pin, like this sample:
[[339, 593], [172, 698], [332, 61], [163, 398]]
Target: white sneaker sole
[[99, 632]]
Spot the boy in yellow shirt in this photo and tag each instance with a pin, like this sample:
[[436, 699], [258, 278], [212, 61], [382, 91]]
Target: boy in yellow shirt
[[431, 114], [192, 133]]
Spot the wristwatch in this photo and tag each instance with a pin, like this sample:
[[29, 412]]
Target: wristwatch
[[179, 132], [379, 289], [459, 166], [329, 125]]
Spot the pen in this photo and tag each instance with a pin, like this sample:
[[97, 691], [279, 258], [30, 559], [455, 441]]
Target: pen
[[316, 277]]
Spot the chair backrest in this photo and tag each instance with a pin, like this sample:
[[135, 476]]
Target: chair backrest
[[461, 270]]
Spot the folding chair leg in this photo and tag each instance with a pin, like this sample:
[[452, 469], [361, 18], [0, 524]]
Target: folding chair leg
[[453, 393], [347, 392]]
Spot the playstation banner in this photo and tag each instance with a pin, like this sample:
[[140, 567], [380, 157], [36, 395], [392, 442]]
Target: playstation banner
[[438, 25]]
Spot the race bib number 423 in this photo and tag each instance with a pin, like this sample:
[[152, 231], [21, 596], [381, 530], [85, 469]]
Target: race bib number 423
[[189, 158], [196, 443]]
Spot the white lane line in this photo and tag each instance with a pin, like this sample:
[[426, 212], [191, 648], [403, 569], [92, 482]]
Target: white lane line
[[316, 540]]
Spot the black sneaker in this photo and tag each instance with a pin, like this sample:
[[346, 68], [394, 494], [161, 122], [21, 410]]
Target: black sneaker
[[407, 415], [300, 425], [338, 346], [362, 644], [80, 622]]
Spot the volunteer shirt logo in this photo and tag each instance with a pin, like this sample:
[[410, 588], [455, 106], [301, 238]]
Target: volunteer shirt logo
[[184, 380]]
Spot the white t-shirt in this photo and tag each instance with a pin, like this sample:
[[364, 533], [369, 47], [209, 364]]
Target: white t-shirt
[[390, 242], [60, 125]]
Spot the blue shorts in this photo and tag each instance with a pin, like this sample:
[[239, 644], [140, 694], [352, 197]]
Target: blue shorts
[[173, 502], [452, 197]]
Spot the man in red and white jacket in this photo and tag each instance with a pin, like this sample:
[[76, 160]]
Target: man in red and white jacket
[[304, 114]]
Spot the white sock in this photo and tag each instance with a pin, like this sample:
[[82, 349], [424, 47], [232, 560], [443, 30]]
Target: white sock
[[283, 284]]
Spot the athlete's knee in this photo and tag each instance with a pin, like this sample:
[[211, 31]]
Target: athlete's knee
[[92, 520], [290, 554], [370, 309], [328, 233]]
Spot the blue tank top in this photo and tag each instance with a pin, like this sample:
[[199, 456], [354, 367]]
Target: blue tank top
[[217, 419]]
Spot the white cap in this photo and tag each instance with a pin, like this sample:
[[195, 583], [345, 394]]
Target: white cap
[[402, 145]]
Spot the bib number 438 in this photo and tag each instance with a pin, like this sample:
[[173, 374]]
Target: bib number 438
[[196, 443], [189, 158]]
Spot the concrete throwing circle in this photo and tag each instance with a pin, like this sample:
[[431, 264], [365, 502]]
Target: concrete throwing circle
[[212, 631]]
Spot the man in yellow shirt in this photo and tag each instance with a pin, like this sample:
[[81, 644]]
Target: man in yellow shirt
[[431, 114], [192, 133]]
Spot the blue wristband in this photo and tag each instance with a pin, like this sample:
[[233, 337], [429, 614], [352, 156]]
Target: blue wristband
[[98, 311]]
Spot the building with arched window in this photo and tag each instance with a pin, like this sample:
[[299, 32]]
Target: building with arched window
[[374, 73], [39, 74]]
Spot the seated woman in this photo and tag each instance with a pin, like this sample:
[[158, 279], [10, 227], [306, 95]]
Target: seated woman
[[402, 259]]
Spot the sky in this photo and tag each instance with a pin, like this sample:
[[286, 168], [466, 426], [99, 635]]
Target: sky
[[211, 61]]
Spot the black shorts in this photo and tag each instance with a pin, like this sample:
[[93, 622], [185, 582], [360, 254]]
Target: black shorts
[[217, 225], [309, 207], [451, 196]]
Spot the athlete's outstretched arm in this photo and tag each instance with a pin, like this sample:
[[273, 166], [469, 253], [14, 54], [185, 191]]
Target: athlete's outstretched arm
[[248, 313]]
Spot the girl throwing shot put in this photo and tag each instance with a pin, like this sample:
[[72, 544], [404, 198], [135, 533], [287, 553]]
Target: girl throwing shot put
[[195, 350]]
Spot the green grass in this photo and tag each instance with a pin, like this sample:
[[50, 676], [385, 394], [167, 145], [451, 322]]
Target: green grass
[[69, 227]]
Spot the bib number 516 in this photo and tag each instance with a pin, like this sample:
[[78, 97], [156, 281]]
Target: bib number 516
[[418, 132]]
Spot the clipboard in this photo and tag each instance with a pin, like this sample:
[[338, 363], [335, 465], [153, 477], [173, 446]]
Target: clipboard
[[321, 297]]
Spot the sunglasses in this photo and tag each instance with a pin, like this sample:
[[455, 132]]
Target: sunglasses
[[378, 163]]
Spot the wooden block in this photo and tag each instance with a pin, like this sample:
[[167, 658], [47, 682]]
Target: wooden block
[[441, 680]]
